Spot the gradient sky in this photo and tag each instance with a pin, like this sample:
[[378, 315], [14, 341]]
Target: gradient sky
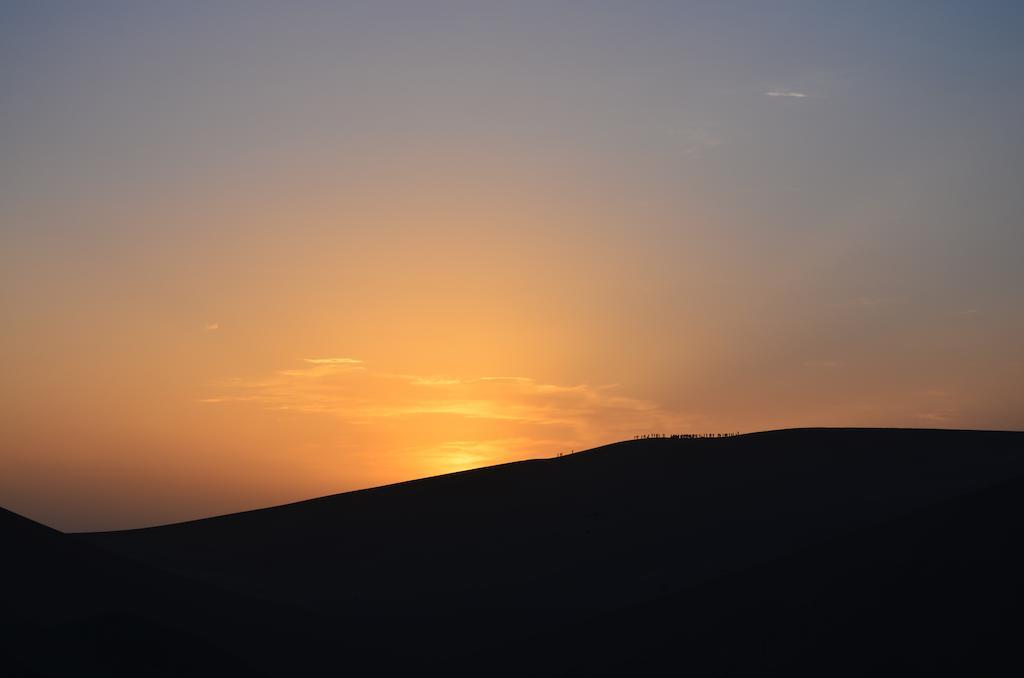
[[257, 252]]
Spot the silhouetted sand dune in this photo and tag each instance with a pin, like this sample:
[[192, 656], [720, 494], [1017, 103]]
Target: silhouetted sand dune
[[824, 551], [549, 532], [934, 592], [72, 609]]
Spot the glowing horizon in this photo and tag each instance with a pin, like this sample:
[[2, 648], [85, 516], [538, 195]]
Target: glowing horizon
[[253, 254]]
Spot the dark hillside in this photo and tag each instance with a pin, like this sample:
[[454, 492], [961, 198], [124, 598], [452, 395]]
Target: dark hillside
[[825, 551], [549, 533], [69, 608], [935, 592]]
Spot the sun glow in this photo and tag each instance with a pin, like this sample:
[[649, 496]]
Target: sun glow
[[442, 424], [249, 257]]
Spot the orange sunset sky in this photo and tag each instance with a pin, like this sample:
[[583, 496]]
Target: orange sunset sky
[[253, 253]]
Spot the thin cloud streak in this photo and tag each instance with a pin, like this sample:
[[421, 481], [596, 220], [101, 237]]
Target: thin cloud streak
[[535, 417], [786, 93], [333, 361]]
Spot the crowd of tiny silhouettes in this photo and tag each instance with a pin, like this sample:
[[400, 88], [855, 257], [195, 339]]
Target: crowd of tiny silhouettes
[[671, 436], [677, 436]]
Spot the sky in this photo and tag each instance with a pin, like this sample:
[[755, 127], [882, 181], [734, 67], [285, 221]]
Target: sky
[[256, 252]]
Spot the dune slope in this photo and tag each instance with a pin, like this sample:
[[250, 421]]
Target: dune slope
[[831, 551]]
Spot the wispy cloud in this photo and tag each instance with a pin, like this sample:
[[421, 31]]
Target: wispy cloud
[[324, 367], [212, 327], [333, 361], [483, 416], [785, 93]]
